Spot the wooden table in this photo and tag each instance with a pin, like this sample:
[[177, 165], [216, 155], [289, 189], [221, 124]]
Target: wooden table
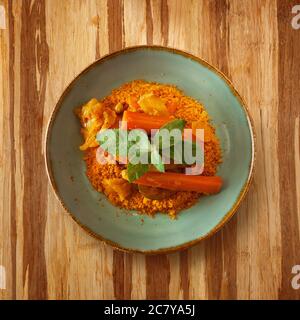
[[44, 45]]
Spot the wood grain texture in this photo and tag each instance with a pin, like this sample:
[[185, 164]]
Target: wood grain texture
[[44, 45], [289, 99]]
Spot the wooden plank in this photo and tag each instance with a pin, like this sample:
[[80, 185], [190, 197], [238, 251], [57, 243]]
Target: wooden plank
[[44, 44], [289, 99], [7, 242]]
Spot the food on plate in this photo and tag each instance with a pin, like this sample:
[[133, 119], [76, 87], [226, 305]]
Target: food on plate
[[161, 184]]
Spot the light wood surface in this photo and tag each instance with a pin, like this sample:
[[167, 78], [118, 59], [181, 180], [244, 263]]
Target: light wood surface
[[44, 45]]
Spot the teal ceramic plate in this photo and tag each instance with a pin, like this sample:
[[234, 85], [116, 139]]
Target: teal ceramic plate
[[129, 230]]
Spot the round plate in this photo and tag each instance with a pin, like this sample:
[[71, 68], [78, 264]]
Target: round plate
[[129, 230]]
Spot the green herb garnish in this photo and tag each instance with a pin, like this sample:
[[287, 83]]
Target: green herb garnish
[[119, 142]]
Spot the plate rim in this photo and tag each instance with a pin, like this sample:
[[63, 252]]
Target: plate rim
[[229, 214]]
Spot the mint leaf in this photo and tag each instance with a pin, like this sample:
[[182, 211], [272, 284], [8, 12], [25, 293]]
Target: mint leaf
[[156, 160], [174, 124], [177, 153], [135, 171]]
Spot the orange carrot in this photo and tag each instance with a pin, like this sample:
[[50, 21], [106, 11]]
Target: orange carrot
[[138, 120], [181, 182]]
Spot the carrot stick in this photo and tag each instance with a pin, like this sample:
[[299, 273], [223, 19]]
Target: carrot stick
[[138, 120], [181, 182]]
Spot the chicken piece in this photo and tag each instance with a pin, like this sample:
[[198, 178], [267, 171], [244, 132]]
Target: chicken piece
[[92, 109], [89, 133], [153, 105], [133, 105], [91, 117], [118, 185], [90, 142], [110, 118]]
